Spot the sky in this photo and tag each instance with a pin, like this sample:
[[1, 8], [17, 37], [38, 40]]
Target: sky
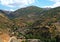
[[12, 5]]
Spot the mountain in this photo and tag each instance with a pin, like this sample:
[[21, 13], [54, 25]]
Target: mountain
[[5, 22], [33, 12], [53, 13], [32, 23], [47, 28], [6, 13], [30, 11], [27, 15]]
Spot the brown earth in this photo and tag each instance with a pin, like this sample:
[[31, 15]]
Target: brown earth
[[5, 37]]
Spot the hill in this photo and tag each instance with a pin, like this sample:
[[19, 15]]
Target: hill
[[53, 13], [29, 12], [32, 23], [5, 23]]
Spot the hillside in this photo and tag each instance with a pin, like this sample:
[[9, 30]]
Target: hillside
[[27, 15], [52, 13], [31, 11], [32, 23], [5, 23]]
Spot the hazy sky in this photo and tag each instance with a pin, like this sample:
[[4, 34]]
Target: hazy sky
[[16, 4]]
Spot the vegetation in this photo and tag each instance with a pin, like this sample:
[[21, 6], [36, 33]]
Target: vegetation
[[32, 23]]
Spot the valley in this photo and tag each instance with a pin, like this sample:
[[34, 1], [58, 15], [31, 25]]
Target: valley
[[30, 23]]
